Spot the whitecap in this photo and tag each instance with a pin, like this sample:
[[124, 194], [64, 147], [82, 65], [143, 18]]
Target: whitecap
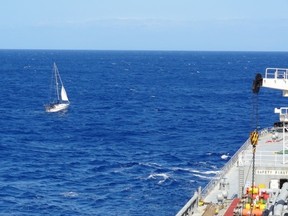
[[156, 175], [225, 156], [186, 170], [211, 172], [70, 194], [202, 176], [154, 165], [179, 169], [196, 171]]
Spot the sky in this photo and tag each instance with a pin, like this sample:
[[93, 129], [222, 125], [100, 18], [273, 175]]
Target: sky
[[188, 25]]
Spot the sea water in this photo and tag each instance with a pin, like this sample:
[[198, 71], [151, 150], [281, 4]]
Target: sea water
[[143, 131]]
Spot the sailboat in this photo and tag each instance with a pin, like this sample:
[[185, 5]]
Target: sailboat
[[59, 101]]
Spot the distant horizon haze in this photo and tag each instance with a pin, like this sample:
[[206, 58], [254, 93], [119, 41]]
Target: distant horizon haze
[[223, 25]]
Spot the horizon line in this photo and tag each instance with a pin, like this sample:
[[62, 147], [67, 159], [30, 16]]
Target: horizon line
[[132, 50]]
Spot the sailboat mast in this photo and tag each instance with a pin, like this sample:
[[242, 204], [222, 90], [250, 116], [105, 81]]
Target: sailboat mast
[[56, 81]]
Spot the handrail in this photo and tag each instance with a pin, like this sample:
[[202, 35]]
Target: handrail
[[276, 73], [190, 206], [271, 159]]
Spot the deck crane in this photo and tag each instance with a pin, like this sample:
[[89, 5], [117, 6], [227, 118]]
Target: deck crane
[[275, 78], [254, 135]]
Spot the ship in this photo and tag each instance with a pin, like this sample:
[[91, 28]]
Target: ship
[[254, 182]]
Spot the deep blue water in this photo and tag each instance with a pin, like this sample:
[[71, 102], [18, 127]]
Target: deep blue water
[[143, 131]]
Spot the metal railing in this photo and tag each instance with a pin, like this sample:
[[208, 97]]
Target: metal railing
[[276, 73], [190, 206], [269, 158]]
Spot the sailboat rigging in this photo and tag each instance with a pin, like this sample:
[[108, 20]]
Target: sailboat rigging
[[60, 100]]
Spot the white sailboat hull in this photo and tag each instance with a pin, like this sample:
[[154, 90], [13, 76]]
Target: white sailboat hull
[[56, 107]]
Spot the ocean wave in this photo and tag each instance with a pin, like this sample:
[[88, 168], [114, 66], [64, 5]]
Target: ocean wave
[[150, 164], [191, 170], [162, 176], [127, 136], [203, 176], [70, 194]]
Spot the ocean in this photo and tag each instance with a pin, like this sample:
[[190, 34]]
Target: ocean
[[144, 129]]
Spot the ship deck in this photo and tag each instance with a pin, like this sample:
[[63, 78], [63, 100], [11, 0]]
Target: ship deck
[[236, 175]]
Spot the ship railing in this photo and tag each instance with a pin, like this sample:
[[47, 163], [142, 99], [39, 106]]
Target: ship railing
[[276, 73], [269, 158], [234, 159], [190, 206]]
